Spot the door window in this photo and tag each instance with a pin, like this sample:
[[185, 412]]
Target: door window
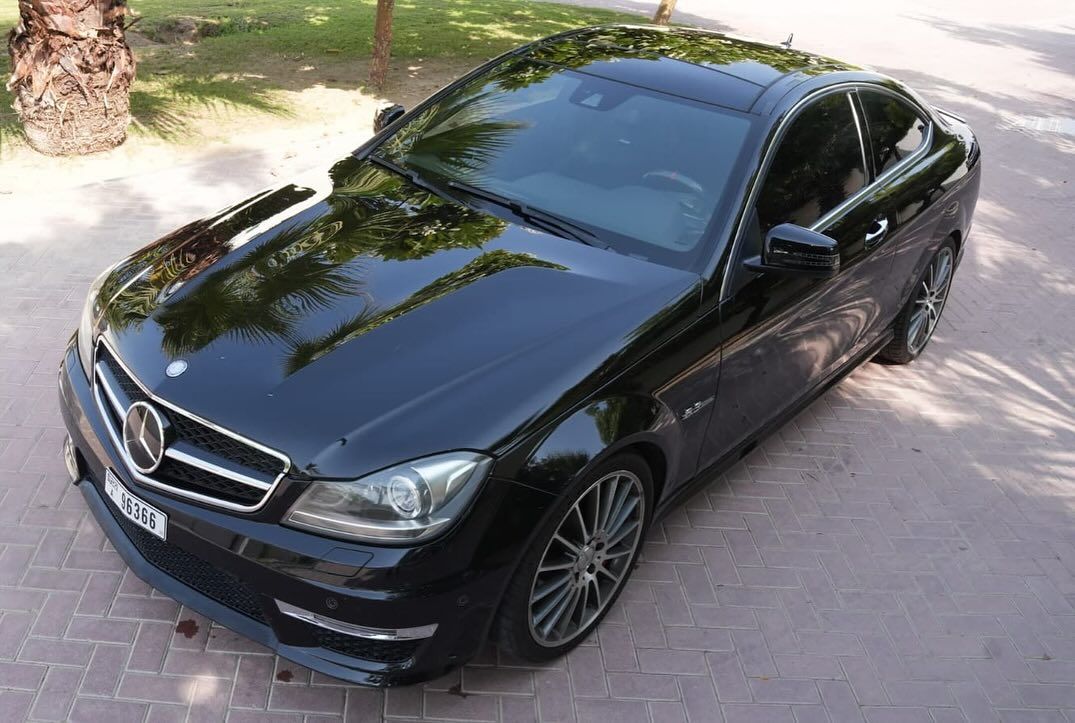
[[818, 165], [896, 130]]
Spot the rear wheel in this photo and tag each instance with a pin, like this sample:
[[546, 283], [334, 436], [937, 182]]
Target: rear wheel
[[915, 325], [579, 562]]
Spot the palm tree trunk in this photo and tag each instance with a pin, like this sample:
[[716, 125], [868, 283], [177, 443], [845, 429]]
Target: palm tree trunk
[[72, 73], [382, 43], [664, 12]]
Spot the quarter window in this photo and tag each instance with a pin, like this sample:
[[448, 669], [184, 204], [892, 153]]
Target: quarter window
[[896, 130], [818, 165]]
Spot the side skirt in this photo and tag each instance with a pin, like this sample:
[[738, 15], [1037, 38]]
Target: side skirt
[[709, 474]]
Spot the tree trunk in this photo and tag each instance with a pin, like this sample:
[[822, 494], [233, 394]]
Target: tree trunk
[[664, 12], [72, 73], [382, 43]]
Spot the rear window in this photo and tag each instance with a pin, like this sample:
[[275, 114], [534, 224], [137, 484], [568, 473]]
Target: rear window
[[895, 128]]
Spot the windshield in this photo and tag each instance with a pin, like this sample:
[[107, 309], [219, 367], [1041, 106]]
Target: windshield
[[645, 171]]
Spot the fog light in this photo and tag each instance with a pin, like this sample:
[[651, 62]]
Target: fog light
[[70, 459]]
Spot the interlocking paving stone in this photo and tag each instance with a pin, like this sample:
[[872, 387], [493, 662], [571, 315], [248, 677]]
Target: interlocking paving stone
[[903, 550]]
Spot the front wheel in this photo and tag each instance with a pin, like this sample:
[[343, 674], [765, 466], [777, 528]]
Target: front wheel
[[579, 561], [918, 320]]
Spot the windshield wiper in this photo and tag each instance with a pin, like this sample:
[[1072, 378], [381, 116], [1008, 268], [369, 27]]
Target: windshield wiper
[[410, 175], [537, 216]]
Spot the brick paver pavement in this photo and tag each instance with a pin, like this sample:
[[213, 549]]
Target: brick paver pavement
[[902, 551]]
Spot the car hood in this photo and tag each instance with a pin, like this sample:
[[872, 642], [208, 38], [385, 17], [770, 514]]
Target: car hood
[[354, 320]]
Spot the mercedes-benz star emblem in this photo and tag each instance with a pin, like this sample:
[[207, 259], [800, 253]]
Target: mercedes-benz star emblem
[[143, 437], [176, 368]]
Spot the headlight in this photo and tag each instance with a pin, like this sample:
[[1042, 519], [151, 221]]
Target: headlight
[[87, 325], [408, 502]]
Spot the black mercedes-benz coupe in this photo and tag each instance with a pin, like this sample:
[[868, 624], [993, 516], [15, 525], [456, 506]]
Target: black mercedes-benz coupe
[[438, 392]]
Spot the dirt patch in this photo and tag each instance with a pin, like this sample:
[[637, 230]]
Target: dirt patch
[[137, 40], [186, 29]]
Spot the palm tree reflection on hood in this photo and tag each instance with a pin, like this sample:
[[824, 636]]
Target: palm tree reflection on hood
[[141, 282], [262, 296], [391, 220], [371, 214], [315, 260], [487, 264]]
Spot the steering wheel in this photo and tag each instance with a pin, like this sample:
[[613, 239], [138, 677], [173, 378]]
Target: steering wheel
[[676, 178]]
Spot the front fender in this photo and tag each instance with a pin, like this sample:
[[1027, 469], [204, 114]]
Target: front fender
[[584, 438]]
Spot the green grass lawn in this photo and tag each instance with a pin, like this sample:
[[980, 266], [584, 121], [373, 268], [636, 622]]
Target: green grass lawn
[[261, 47], [422, 28]]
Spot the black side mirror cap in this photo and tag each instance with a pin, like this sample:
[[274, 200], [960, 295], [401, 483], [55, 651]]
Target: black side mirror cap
[[387, 116], [794, 250]]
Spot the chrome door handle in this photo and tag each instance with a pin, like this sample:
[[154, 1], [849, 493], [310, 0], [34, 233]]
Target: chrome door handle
[[875, 237]]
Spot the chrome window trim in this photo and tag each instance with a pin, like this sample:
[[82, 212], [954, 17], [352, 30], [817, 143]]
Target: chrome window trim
[[867, 168], [770, 151], [113, 400]]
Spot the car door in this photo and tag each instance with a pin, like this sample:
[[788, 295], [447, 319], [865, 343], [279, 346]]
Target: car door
[[897, 136], [783, 335]]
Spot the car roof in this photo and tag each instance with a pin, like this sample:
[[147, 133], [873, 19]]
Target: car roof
[[701, 65]]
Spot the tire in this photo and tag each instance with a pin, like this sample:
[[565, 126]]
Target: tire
[[520, 629], [918, 320]]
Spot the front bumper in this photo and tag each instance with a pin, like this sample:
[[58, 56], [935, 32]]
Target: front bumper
[[237, 569]]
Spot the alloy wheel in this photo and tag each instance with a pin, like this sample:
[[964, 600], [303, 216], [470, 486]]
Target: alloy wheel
[[587, 559], [929, 301]]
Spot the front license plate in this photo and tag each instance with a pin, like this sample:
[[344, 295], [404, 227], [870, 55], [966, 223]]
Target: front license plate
[[140, 513]]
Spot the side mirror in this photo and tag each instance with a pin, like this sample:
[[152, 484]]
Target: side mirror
[[387, 116], [791, 249]]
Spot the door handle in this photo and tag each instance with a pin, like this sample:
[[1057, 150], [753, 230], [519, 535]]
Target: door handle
[[878, 232]]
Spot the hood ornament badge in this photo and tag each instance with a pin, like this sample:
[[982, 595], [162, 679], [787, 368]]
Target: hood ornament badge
[[176, 368]]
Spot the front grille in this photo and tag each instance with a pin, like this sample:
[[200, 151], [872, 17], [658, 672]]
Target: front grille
[[200, 481], [202, 462], [230, 448], [130, 388], [192, 571], [379, 651]]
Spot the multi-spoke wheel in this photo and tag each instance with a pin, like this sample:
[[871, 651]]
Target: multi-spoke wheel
[[586, 559], [929, 301], [916, 323], [580, 561]]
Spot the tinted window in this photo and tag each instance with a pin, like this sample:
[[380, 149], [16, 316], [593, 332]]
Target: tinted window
[[645, 170], [817, 166], [895, 128]]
